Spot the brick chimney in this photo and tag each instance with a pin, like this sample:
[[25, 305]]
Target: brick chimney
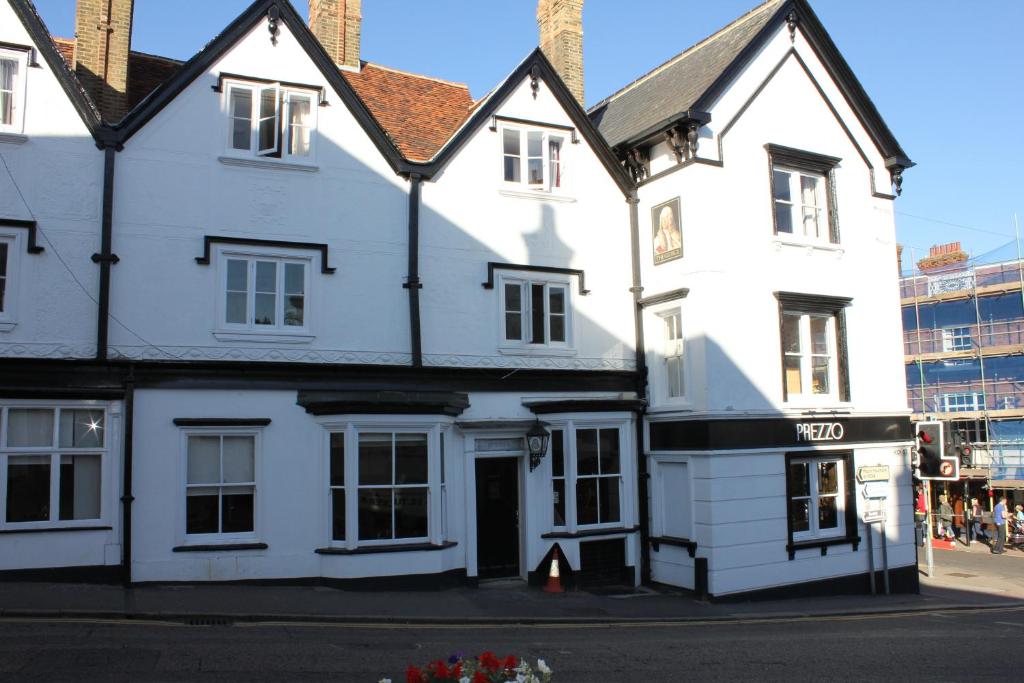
[[103, 35], [337, 25], [561, 38], [942, 257]]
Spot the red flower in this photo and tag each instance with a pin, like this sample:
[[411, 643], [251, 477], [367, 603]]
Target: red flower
[[457, 671], [510, 662], [479, 677], [489, 661], [441, 669], [413, 675]]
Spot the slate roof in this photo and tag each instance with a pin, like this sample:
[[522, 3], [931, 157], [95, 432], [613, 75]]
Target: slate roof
[[678, 84]]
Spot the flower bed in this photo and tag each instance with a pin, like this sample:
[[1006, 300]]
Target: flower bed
[[486, 668]]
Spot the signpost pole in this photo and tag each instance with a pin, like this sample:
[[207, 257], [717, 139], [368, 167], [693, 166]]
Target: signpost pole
[[885, 556], [871, 557], [928, 525]]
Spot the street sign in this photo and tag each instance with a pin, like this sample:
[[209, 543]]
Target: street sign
[[874, 515], [876, 489], [873, 473]]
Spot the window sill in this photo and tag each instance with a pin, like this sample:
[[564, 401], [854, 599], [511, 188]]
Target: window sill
[[823, 543], [586, 533], [540, 351], [826, 407], [674, 541], [263, 337], [392, 548], [7, 326], [539, 195], [217, 547], [779, 242], [53, 529], [13, 138], [246, 162]]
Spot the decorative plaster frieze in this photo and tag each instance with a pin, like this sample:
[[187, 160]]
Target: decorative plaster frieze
[[46, 350], [528, 362], [269, 355]]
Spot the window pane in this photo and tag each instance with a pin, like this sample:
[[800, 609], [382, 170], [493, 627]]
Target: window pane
[[784, 218], [6, 108], [240, 130], [201, 511], [268, 119], [556, 317], [510, 141], [374, 514], [535, 171], [241, 113], [674, 366], [557, 325], [780, 185], [338, 514], [555, 156], [294, 310], [512, 172], [265, 309], [609, 451], [794, 385], [799, 479], [513, 312], [239, 456], [294, 278], [8, 75], [266, 292], [819, 335], [586, 501], [791, 333], [556, 298], [799, 515], [28, 488], [809, 190], [299, 122], [81, 428], [337, 459], [586, 451], [819, 375], [237, 512], [3, 273], [557, 453], [828, 513], [375, 459], [534, 143], [28, 427], [411, 459], [266, 276], [558, 496], [79, 487], [411, 513], [238, 275], [828, 477], [513, 326], [609, 494], [537, 313], [236, 308], [810, 217], [203, 459]]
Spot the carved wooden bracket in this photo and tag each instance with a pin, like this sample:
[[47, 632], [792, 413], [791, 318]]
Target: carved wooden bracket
[[675, 139], [636, 162], [896, 175]]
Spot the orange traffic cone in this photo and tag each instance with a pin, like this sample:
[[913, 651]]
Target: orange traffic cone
[[554, 584]]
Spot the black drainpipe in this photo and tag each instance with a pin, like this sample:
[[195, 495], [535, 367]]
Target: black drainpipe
[[127, 497], [412, 282], [105, 257], [642, 476]]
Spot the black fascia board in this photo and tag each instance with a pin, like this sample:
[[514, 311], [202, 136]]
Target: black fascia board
[[80, 100], [701, 118], [202, 61], [574, 109], [825, 48]]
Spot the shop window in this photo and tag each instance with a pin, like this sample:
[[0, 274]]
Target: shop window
[[817, 497], [558, 477]]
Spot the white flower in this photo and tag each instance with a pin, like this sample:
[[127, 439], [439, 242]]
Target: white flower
[[542, 667], [520, 678], [464, 679], [384, 680]]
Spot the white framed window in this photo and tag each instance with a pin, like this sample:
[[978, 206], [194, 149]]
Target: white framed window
[[962, 402], [817, 495], [270, 120], [13, 69], [598, 476], [53, 460], [810, 356], [8, 280], [956, 338], [672, 336], [533, 159], [220, 483], [384, 483], [803, 195], [263, 291], [535, 313], [558, 492]]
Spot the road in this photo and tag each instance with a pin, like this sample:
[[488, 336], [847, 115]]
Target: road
[[953, 645]]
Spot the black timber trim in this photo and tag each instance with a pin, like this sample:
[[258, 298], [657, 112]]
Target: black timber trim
[[699, 117], [535, 60], [412, 280], [690, 546], [30, 226], [678, 167], [221, 421], [849, 509], [87, 378], [65, 75], [209, 240], [664, 297], [97, 574], [902, 580], [383, 402], [218, 547], [584, 405], [18, 47], [55, 529], [532, 124], [200, 64], [127, 497], [813, 303], [591, 533], [828, 53], [389, 548], [222, 76], [494, 265]]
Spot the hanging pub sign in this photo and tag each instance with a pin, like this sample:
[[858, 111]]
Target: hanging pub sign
[[667, 235]]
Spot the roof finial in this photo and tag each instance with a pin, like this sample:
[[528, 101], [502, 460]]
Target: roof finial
[[791, 20], [273, 16]]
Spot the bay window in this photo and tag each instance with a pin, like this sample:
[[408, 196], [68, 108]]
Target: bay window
[[589, 474]]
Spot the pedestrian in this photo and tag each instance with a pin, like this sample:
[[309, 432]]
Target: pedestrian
[[976, 512], [999, 518], [958, 515], [920, 515], [945, 518]]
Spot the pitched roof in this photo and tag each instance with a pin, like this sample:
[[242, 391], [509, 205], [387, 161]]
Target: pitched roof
[[675, 86], [418, 113]]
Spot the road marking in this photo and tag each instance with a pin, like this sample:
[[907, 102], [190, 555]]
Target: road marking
[[1009, 623]]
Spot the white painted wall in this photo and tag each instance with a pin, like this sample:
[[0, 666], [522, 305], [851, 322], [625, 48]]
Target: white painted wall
[[51, 172]]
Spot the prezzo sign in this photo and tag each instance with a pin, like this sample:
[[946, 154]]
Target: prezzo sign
[[819, 431]]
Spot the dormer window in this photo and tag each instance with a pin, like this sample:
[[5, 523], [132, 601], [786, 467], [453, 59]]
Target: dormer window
[[270, 120], [533, 159], [13, 64]]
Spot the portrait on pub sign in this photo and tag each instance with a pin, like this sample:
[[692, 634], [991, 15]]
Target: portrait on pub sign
[[668, 237]]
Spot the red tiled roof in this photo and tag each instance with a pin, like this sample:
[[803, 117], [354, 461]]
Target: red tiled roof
[[419, 113]]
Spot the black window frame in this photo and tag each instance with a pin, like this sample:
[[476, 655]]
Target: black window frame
[[817, 304], [808, 162], [851, 537]]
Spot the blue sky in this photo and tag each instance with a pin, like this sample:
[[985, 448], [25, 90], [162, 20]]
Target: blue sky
[[946, 77]]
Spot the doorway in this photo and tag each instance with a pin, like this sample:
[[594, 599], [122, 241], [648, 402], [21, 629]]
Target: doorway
[[497, 517]]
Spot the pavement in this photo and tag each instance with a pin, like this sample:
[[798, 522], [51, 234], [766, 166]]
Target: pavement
[[962, 579]]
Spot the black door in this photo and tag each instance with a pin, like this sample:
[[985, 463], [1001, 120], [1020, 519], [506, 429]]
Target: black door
[[497, 517]]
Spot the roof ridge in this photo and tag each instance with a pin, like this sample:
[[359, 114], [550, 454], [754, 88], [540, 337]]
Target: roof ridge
[[688, 51], [416, 75], [150, 54]]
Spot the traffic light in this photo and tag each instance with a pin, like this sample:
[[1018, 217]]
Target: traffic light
[[936, 454], [962, 450]]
